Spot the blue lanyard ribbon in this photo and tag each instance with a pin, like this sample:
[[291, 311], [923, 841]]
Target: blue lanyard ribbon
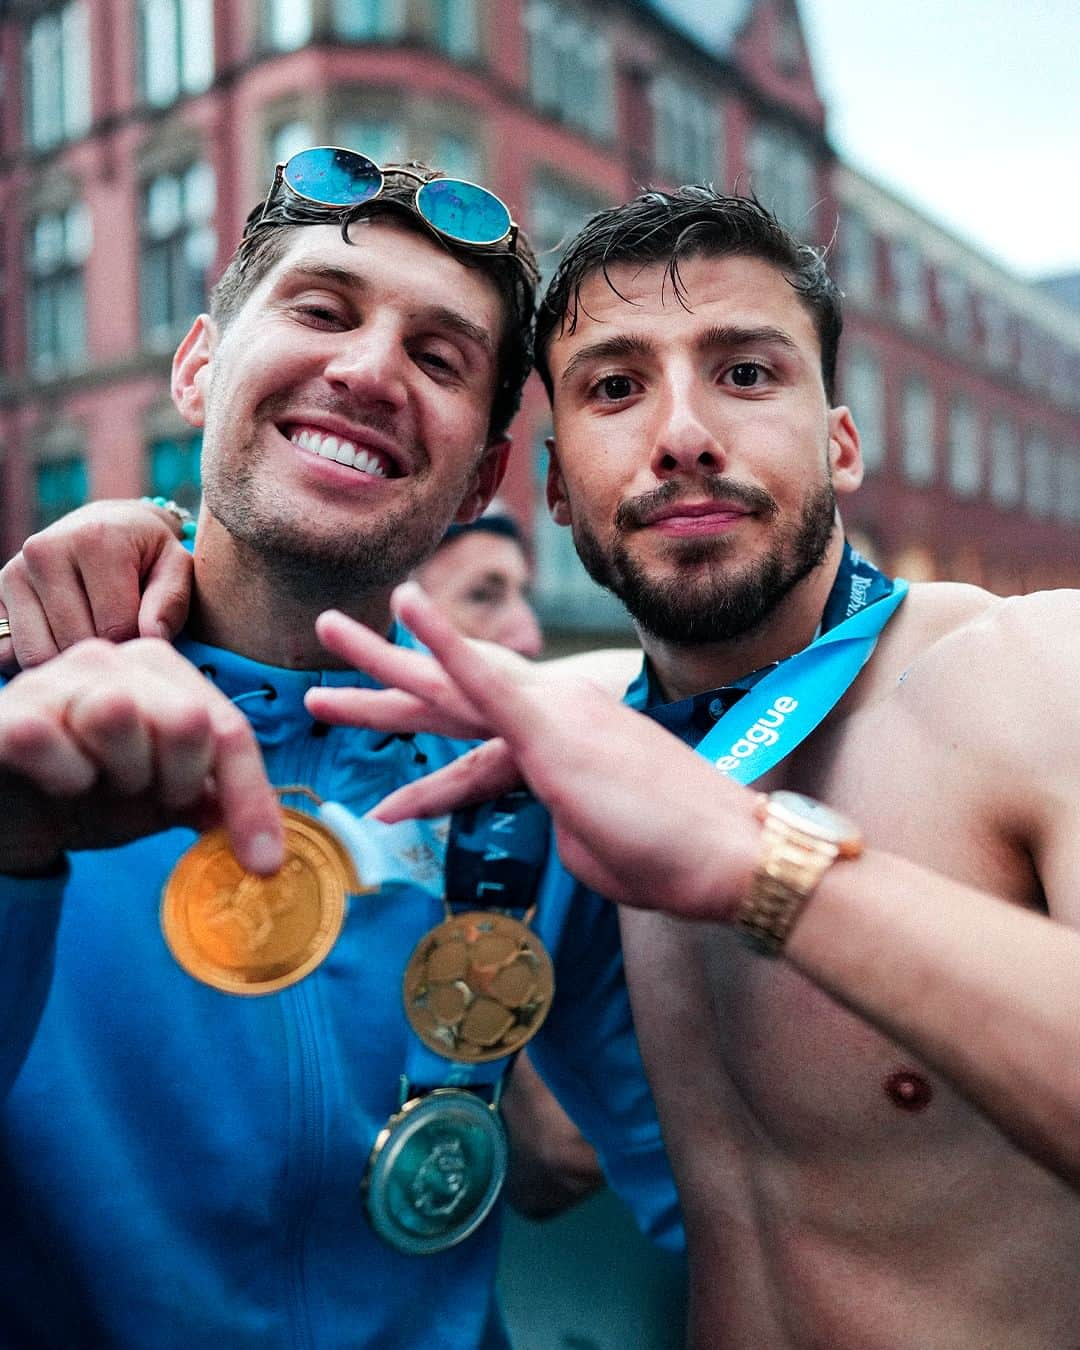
[[785, 706], [487, 856]]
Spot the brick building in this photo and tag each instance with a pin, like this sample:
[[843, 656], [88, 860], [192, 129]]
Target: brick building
[[135, 134]]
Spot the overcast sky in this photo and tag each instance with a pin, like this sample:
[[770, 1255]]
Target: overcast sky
[[968, 109]]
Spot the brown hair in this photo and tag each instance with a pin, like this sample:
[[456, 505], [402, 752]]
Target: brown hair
[[693, 221], [267, 233]]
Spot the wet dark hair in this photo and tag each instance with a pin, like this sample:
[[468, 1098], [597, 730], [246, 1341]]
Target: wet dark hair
[[670, 227], [515, 274]]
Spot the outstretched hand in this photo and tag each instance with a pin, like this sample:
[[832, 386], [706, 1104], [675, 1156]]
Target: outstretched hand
[[112, 569], [638, 816], [106, 744]]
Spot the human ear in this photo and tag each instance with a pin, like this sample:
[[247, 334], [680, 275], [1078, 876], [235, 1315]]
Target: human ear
[[191, 370], [486, 480], [557, 500], [845, 450]]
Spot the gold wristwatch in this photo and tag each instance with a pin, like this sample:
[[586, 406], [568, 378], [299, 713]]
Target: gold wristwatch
[[800, 841]]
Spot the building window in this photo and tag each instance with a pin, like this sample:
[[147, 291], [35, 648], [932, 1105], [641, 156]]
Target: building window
[[454, 27], [1004, 463], [178, 245], [1072, 486], [570, 68], [787, 43], [1039, 476], [60, 485], [783, 178], [965, 467], [59, 244], [287, 140], [174, 470], [289, 23], [371, 20], [1067, 498], [956, 308], [997, 331], [864, 393], [685, 122], [558, 211], [1060, 375], [380, 138], [176, 48], [858, 265], [917, 431], [1034, 357], [58, 75], [457, 156], [908, 278]]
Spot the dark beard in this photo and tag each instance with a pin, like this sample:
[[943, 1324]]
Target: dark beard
[[691, 609]]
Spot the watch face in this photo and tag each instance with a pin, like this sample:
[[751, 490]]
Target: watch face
[[814, 817]]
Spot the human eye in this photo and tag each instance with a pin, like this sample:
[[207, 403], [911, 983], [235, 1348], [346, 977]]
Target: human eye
[[612, 388], [320, 311], [440, 358], [484, 595], [747, 375]]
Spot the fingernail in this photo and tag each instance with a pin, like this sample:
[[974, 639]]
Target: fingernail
[[265, 854]]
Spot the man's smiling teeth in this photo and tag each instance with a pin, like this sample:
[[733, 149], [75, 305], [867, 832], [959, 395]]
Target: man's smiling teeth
[[339, 449]]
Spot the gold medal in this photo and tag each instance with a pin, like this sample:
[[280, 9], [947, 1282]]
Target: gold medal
[[245, 934], [478, 986]]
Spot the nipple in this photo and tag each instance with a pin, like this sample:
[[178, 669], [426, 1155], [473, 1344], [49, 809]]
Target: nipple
[[908, 1091]]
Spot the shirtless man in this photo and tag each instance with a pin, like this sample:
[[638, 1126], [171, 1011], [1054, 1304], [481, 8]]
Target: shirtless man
[[875, 1135]]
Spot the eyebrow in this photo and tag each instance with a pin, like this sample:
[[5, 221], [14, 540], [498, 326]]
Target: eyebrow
[[440, 315], [458, 323], [724, 336]]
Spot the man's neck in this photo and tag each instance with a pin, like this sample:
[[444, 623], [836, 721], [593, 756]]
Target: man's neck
[[240, 605], [683, 670]]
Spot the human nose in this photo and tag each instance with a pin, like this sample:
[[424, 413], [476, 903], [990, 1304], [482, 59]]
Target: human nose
[[368, 365], [685, 439], [520, 629]]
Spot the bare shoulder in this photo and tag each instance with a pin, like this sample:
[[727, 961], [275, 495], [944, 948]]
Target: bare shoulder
[[984, 661], [953, 626]]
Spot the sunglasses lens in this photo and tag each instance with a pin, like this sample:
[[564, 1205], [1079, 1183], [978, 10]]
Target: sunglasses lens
[[333, 177], [463, 211]]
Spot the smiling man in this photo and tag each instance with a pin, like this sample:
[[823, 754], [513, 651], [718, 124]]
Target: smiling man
[[181, 1166], [874, 1132]]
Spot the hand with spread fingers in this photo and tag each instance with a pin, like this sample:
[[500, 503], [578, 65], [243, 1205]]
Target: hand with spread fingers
[[111, 569], [107, 744], [678, 836]]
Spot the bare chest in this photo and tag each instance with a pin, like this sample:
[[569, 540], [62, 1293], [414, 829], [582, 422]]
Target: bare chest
[[783, 1061]]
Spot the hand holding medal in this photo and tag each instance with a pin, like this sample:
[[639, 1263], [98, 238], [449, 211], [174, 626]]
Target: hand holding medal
[[246, 934]]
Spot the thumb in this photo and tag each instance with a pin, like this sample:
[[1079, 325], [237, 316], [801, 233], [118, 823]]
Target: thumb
[[166, 597]]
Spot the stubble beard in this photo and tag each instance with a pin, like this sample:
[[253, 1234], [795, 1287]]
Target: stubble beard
[[708, 599], [322, 565]]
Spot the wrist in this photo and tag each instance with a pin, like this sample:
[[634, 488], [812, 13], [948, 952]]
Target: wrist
[[801, 839], [179, 517]]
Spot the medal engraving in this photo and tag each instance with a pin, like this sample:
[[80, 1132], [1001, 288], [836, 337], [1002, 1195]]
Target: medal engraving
[[436, 1170], [245, 934], [478, 987]]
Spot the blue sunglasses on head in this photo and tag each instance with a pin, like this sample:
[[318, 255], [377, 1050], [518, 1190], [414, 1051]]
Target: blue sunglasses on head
[[459, 210]]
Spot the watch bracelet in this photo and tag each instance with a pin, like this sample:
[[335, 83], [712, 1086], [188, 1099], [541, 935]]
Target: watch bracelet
[[769, 913]]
